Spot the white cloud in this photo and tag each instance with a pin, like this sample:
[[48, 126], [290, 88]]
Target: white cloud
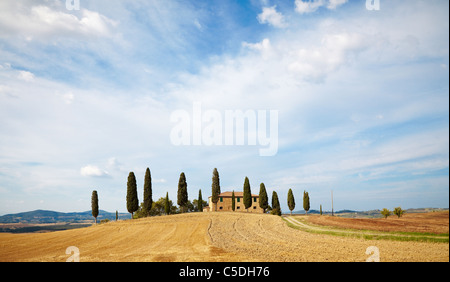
[[68, 98], [303, 7], [26, 75], [334, 51], [91, 170], [269, 15], [263, 47], [34, 21], [333, 4], [307, 7]]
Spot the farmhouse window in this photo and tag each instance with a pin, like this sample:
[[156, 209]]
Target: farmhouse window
[[254, 199], [238, 199], [221, 199]]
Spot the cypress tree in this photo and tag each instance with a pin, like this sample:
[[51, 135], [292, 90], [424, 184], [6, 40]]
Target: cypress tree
[[182, 196], [306, 202], [200, 201], [215, 188], [166, 204], [247, 194], [263, 200], [320, 209], [94, 205], [117, 215], [233, 200], [291, 201], [132, 197], [147, 193], [276, 209]]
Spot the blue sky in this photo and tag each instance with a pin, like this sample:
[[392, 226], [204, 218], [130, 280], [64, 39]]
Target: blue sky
[[362, 99]]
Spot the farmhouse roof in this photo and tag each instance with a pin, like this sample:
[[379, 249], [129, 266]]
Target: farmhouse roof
[[228, 194]]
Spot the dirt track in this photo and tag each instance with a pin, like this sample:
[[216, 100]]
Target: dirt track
[[207, 237]]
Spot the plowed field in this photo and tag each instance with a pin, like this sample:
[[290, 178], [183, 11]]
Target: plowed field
[[432, 222], [207, 237]]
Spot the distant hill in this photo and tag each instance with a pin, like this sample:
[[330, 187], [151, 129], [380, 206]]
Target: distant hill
[[44, 216]]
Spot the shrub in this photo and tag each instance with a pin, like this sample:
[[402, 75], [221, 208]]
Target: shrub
[[385, 212], [398, 211]]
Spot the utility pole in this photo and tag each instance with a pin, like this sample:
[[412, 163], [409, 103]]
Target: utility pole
[[332, 211]]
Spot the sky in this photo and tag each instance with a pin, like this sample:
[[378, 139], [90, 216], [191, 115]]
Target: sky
[[352, 97]]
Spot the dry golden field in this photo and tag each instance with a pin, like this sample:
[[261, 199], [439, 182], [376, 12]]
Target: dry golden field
[[223, 236]]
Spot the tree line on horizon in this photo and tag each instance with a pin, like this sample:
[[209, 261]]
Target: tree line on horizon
[[165, 206]]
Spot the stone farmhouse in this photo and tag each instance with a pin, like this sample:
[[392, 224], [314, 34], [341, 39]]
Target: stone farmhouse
[[224, 203]]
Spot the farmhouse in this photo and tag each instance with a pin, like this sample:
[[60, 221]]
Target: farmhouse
[[225, 201]]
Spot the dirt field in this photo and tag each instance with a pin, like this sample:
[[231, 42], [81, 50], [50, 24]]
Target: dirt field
[[207, 237], [433, 222]]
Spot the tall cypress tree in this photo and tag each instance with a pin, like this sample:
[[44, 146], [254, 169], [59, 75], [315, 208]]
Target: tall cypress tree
[[166, 204], [276, 209], [306, 202], [233, 201], [263, 200], [132, 196], [94, 205], [291, 200], [215, 188], [200, 201], [182, 196], [247, 194], [147, 192]]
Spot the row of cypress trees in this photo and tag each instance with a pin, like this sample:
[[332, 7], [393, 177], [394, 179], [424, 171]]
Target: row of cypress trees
[[182, 196], [291, 201]]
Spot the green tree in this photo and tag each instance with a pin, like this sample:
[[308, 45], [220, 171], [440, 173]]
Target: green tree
[[94, 205], [215, 188], [398, 211], [158, 207], [291, 201], [182, 195], [190, 206], [196, 205], [320, 209], [247, 197], [306, 201], [132, 196], [263, 200], [167, 204], [276, 209], [117, 215], [385, 212], [147, 192], [200, 201], [233, 201]]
